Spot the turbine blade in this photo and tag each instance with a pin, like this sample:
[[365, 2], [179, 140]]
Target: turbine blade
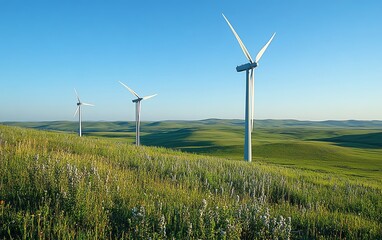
[[261, 52], [130, 90], [148, 97], [75, 113], [78, 98], [242, 46], [87, 104]]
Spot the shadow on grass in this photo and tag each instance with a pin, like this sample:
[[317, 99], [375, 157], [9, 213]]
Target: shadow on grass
[[110, 134], [368, 140], [172, 139], [180, 139]]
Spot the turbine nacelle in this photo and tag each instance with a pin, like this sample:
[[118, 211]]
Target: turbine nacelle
[[137, 100], [246, 67]]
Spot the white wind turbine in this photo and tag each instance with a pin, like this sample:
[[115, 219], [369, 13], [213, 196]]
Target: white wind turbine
[[249, 96], [78, 110], [137, 111]]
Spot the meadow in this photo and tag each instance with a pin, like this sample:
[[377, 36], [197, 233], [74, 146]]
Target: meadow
[[351, 149], [318, 182]]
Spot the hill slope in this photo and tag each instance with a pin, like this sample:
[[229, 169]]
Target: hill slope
[[351, 149], [56, 185]]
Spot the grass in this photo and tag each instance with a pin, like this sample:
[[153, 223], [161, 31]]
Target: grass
[[59, 186], [351, 149]]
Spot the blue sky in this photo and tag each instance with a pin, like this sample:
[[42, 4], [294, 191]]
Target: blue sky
[[324, 62]]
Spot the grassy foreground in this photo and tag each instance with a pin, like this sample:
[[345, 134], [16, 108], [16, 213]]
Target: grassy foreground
[[59, 186]]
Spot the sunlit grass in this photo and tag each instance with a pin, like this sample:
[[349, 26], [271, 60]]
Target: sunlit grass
[[59, 186]]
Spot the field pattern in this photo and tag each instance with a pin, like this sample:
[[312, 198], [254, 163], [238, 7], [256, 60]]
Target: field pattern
[[59, 186]]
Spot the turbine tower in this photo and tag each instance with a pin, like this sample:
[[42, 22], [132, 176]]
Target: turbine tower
[[78, 110], [249, 96], [137, 111]]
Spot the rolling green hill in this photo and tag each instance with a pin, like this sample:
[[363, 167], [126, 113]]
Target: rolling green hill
[[59, 186], [351, 149]]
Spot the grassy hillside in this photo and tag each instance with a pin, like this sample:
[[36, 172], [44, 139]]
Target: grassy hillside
[[351, 149], [59, 186]]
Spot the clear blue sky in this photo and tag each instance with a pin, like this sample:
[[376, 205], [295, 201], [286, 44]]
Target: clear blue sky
[[324, 63]]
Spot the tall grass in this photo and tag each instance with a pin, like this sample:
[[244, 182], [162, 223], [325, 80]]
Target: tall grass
[[59, 186]]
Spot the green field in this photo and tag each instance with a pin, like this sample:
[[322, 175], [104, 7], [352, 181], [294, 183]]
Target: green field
[[352, 149], [308, 180]]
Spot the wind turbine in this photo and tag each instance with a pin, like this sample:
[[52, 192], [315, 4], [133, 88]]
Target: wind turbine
[[137, 111], [78, 110], [249, 96]]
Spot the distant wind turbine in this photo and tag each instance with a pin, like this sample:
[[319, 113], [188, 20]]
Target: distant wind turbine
[[78, 110], [137, 111], [249, 96]]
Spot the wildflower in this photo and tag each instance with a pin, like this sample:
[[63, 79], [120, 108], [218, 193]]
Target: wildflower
[[204, 201], [162, 226], [266, 217], [203, 208], [289, 227], [189, 230]]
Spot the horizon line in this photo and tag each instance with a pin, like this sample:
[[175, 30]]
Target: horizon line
[[191, 120]]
